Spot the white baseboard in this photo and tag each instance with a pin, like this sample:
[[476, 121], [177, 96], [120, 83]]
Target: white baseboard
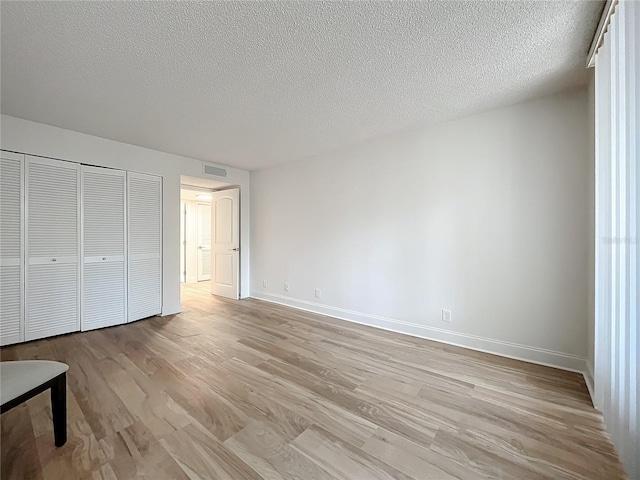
[[171, 310], [516, 351]]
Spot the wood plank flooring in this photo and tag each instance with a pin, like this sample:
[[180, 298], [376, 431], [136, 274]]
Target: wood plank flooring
[[250, 390]]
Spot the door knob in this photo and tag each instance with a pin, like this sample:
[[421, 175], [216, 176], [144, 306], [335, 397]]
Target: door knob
[[234, 249]]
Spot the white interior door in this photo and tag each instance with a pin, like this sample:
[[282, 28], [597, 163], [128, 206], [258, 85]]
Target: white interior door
[[104, 300], [12, 251], [52, 220], [225, 258], [203, 211], [144, 205]]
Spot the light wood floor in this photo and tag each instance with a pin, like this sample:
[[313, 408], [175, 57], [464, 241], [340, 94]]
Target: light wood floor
[[249, 390]]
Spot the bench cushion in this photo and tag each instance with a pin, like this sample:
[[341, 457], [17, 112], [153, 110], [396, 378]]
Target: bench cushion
[[20, 377]]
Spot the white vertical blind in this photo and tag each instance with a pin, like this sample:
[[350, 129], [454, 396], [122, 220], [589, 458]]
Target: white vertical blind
[[618, 232], [144, 194], [103, 248], [11, 248], [52, 223]]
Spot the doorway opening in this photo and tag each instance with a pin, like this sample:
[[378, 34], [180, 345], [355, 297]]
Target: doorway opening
[[210, 235]]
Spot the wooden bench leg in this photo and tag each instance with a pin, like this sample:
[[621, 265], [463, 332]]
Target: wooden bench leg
[[59, 409]]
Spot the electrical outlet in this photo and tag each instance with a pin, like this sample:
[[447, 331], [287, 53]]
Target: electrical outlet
[[446, 315], [318, 293], [286, 287], [264, 284]]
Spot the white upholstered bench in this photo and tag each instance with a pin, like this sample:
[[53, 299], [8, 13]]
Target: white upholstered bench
[[22, 380]]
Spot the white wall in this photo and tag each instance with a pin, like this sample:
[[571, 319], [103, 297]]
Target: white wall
[[486, 216], [44, 140]]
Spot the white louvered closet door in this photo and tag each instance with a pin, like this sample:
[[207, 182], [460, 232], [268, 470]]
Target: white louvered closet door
[[144, 202], [104, 299], [52, 223], [11, 248]]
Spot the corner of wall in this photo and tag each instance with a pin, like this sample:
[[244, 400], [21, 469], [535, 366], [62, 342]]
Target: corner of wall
[[588, 379]]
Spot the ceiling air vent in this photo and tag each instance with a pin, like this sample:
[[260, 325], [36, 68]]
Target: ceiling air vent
[[217, 171]]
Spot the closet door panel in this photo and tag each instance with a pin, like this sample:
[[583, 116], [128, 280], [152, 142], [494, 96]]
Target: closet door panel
[[103, 295], [144, 245], [11, 198], [11, 321], [52, 209], [103, 212], [145, 214], [103, 248], [52, 248], [11, 248], [145, 285], [52, 300]]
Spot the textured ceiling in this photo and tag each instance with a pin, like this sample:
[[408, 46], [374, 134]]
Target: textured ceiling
[[254, 84]]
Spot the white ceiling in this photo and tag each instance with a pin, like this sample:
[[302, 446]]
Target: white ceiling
[[254, 84]]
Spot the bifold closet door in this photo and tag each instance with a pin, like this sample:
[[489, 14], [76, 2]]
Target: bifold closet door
[[52, 221], [144, 206], [104, 299], [11, 248]]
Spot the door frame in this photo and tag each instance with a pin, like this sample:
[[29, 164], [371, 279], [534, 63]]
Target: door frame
[[183, 241], [210, 184]]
